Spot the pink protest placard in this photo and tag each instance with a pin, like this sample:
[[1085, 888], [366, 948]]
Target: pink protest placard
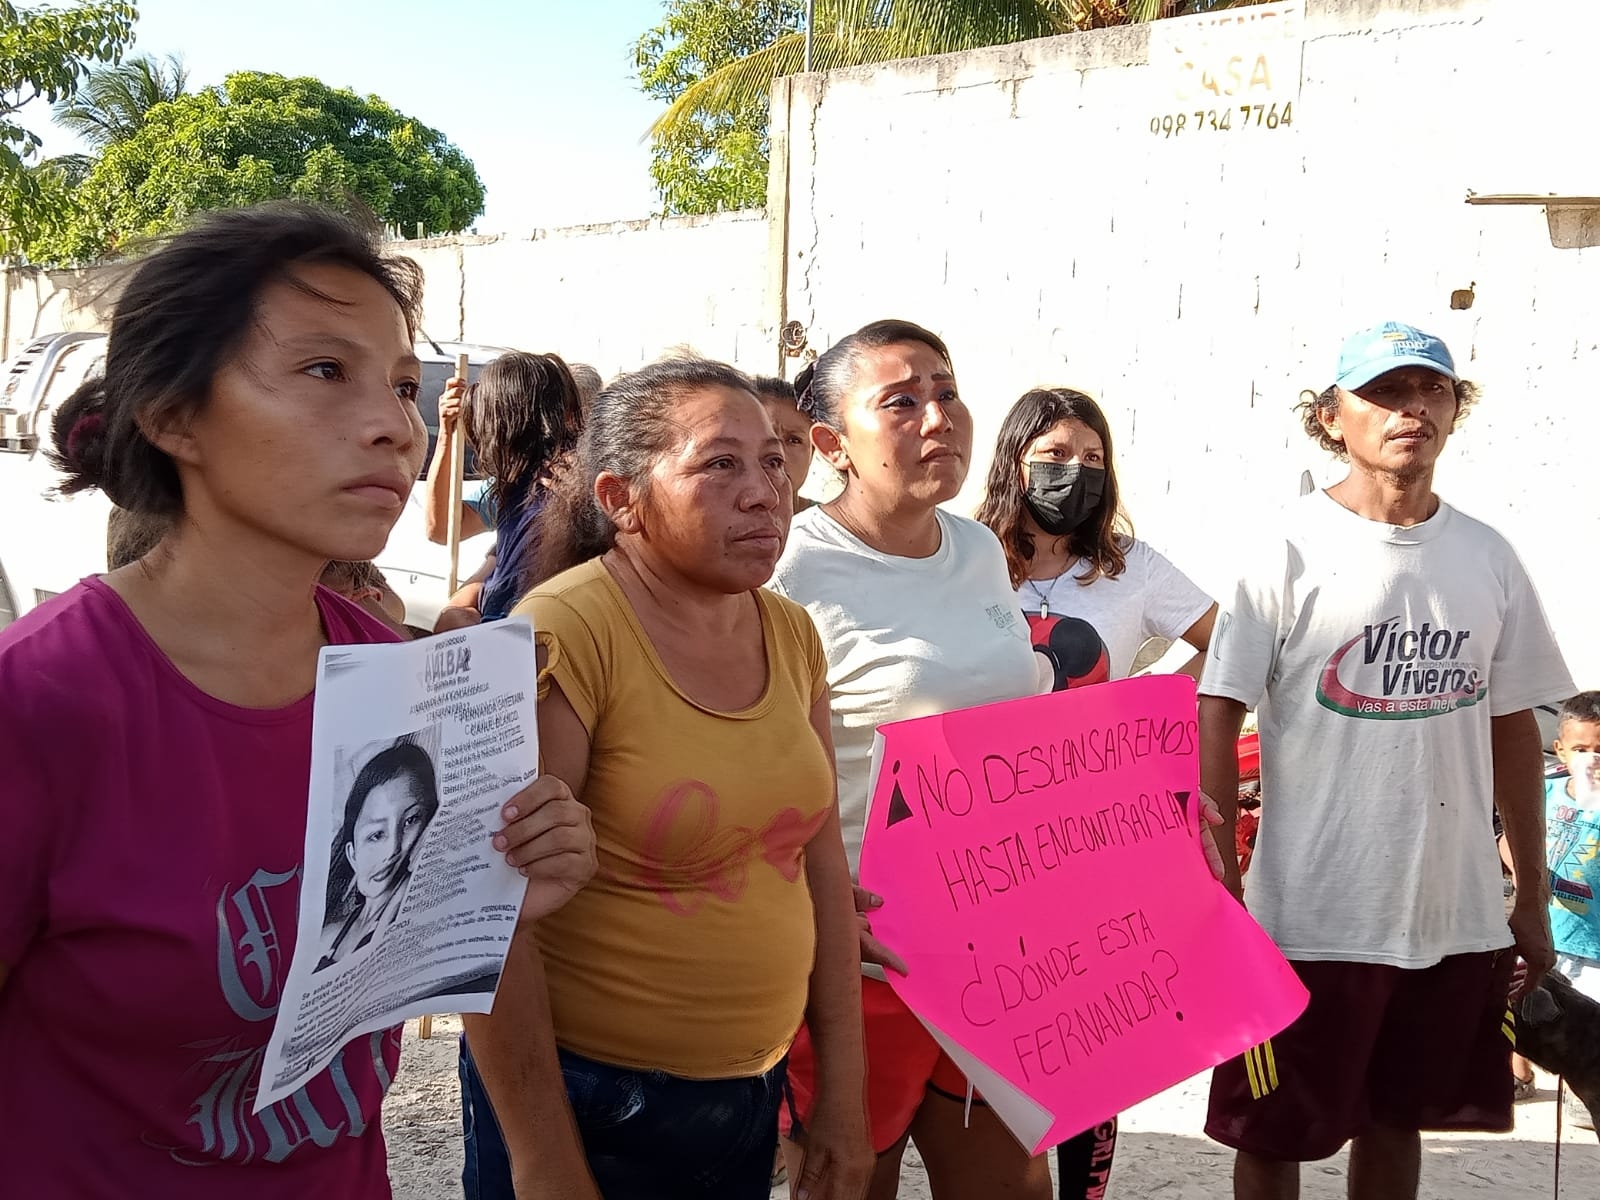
[[1043, 880]]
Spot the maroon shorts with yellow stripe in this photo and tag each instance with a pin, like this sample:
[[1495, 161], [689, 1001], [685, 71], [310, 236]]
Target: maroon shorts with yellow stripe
[[1377, 1046]]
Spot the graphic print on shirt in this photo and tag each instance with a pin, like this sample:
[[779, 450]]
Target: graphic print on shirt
[[687, 857], [1574, 846], [1398, 671], [1003, 616], [251, 965], [1074, 647]]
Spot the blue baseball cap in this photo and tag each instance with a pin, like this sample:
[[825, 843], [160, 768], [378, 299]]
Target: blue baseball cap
[[1386, 347]]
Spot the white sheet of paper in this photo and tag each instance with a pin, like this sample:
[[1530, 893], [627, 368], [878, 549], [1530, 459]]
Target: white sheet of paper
[[1027, 1121], [406, 908], [875, 764]]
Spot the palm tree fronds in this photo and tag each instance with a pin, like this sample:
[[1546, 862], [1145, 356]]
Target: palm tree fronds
[[748, 80], [112, 103], [852, 33]]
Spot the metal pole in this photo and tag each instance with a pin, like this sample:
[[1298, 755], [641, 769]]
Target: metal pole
[[810, 12], [458, 468]]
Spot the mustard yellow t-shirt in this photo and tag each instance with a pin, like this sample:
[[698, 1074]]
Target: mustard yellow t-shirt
[[691, 950]]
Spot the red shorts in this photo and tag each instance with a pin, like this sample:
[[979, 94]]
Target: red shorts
[[904, 1063], [1378, 1045]]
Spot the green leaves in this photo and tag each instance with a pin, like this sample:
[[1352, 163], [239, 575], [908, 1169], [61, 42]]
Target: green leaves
[[44, 53], [260, 137], [715, 159]]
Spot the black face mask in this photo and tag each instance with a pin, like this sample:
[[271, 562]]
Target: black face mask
[[1062, 496]]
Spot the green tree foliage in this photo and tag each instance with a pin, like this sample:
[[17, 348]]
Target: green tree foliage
[[714, 63], [716, 158], [262, 137], [44, 53], [111, 104]]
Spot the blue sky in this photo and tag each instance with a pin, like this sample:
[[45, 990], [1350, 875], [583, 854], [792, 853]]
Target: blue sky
[[541, 94]]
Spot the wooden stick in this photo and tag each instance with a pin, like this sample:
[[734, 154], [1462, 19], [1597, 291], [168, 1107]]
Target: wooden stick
[[458, 473]]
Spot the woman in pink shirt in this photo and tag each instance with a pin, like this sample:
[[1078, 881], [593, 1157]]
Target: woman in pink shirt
[[155, 731]]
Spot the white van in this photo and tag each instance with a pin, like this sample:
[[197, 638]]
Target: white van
[[49, 542]]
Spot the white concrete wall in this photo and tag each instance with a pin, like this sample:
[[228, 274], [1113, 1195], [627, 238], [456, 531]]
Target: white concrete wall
[[1016, 201], [34, 302], [614, 295]]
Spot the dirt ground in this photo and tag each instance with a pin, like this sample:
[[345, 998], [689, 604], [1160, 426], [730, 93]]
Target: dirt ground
[[1160, 1154]]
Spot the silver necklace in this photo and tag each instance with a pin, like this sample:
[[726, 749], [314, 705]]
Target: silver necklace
[[1044, 596], [1050, 586]]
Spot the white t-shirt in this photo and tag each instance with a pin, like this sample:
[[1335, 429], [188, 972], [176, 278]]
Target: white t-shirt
[[1375, 656], [905, 637], [1151, 598]]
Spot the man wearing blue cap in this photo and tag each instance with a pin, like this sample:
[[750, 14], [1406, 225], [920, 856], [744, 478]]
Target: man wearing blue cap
[[1393, 649]]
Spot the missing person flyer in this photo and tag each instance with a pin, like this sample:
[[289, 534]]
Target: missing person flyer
[[406, 908]]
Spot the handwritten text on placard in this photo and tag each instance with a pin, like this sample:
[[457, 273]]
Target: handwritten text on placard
[[1042, 878]]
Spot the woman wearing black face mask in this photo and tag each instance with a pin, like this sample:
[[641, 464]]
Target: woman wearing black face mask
[[1092, 593]]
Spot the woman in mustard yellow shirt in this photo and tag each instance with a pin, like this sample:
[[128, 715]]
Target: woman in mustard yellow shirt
[[688, 709]]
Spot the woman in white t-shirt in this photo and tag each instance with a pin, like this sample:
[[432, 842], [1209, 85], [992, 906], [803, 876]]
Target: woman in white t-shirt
[[917, 617], [1092, 592], [1092, 595]]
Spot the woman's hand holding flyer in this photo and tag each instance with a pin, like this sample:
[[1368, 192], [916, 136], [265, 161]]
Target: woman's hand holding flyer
[[549, 838], [430, 838]]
